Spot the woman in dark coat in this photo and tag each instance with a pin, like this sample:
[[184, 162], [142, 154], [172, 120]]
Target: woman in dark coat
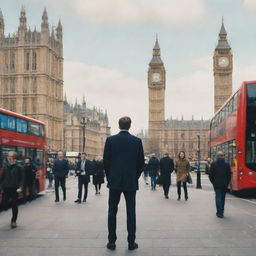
[[166, 168], [153, 168], [98, 174]]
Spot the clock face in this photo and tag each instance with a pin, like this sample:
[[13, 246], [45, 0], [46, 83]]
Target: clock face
[[155, 77], [223, 62]]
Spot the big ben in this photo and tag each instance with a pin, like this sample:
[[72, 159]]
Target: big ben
[[223, 68], [156, 86]]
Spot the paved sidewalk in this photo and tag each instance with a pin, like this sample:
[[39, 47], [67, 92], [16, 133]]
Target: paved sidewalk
[[164, 227]]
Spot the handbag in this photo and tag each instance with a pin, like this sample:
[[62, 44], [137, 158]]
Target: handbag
[[189, 179]]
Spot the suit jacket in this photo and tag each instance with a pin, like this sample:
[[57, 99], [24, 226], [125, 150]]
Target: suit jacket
[[88, 167], [166, 168], [60, 168], [123, 161], [153, 166]]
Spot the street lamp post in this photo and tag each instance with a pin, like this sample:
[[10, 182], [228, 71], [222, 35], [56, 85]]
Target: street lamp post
[[84, 122], [198, 174]]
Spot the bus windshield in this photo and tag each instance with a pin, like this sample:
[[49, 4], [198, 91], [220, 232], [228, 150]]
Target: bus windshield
[[251, 127]]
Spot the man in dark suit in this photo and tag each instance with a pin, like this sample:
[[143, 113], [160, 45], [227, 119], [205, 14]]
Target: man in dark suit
[[83, 169], [60, 170], [123, 163], [220, 175]]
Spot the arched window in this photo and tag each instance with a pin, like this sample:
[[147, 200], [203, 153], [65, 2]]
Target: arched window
[[27, 60], [12, 61], [34, 61], [25, 85], [12, 85], [34, 85]]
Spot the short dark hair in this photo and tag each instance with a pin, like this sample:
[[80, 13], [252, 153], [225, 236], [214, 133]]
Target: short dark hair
[[84, 153], [29, 158], [125, 123]]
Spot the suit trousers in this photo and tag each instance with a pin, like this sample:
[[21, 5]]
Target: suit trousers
[[166, 189], [82, 181], [10, 194], [114, 199], [220, 195], [60, 181]]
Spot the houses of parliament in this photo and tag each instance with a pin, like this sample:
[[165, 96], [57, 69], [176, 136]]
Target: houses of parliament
[[31, 83], [173, 135]]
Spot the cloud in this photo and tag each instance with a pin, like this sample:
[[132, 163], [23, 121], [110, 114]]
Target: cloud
[[121, 94], [250, 5], [168, 12], [108, 89]]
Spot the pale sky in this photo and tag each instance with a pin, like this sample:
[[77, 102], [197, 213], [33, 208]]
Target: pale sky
[[108, 45]]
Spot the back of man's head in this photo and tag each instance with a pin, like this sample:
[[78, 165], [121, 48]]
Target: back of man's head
[[220, 154], [125, 123]]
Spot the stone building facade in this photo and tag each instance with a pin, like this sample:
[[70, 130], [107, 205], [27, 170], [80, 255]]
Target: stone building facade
[[31, 75], [222, 68], [96, 130]]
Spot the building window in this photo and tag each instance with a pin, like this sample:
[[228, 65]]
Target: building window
[[12, 61], [13, 105], [34, 61], [27, 57], [34, 104], [25, 106], [34, 85], [25, 85], [13, 85], [6, 86], [6, 61]]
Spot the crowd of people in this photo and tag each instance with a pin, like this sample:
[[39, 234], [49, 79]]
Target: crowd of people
[[122, 164]]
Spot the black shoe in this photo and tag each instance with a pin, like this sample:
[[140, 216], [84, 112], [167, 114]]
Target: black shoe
[[219, 215], [166, 196], [178, 198], [111, 246], [133, 246], [84, 200], [78, 201], [186, 198], [57, 200]]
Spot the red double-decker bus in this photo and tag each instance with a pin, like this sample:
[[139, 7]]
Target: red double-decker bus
[[26, 136], [233, 131]]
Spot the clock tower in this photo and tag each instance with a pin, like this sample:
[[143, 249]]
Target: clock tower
[[156, 87], [222, 68]]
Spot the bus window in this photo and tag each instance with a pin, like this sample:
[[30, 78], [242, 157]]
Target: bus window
[[235, 102], [21, 155], [31, 152], [7, 122], [41, 130], [34, 128], [39, 158], [22, 125]]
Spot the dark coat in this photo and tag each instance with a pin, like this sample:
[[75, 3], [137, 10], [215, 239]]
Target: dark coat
[[123, 161], [220, 173], [88, 168], [153, 166], [12, 176], [60, 168], [98, 172], [166, 168], [29, 172]]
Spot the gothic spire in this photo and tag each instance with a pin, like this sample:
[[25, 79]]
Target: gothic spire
[[23, 19], [223, 42], [45, 24], [156, 59], [1, 23], [59, 31]]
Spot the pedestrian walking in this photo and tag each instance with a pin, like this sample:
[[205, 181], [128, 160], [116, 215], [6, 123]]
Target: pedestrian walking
[[11, 182], [49, 173], [98, 174], [29, 179], [123, 163], [220, 175], [145, 171], [83, 171], [60, 170], [182, 169], [153, 168], [166, 169]]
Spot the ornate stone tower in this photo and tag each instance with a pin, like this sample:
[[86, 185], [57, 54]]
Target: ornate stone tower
[[222, 68], [156, 86], [31, 75]]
